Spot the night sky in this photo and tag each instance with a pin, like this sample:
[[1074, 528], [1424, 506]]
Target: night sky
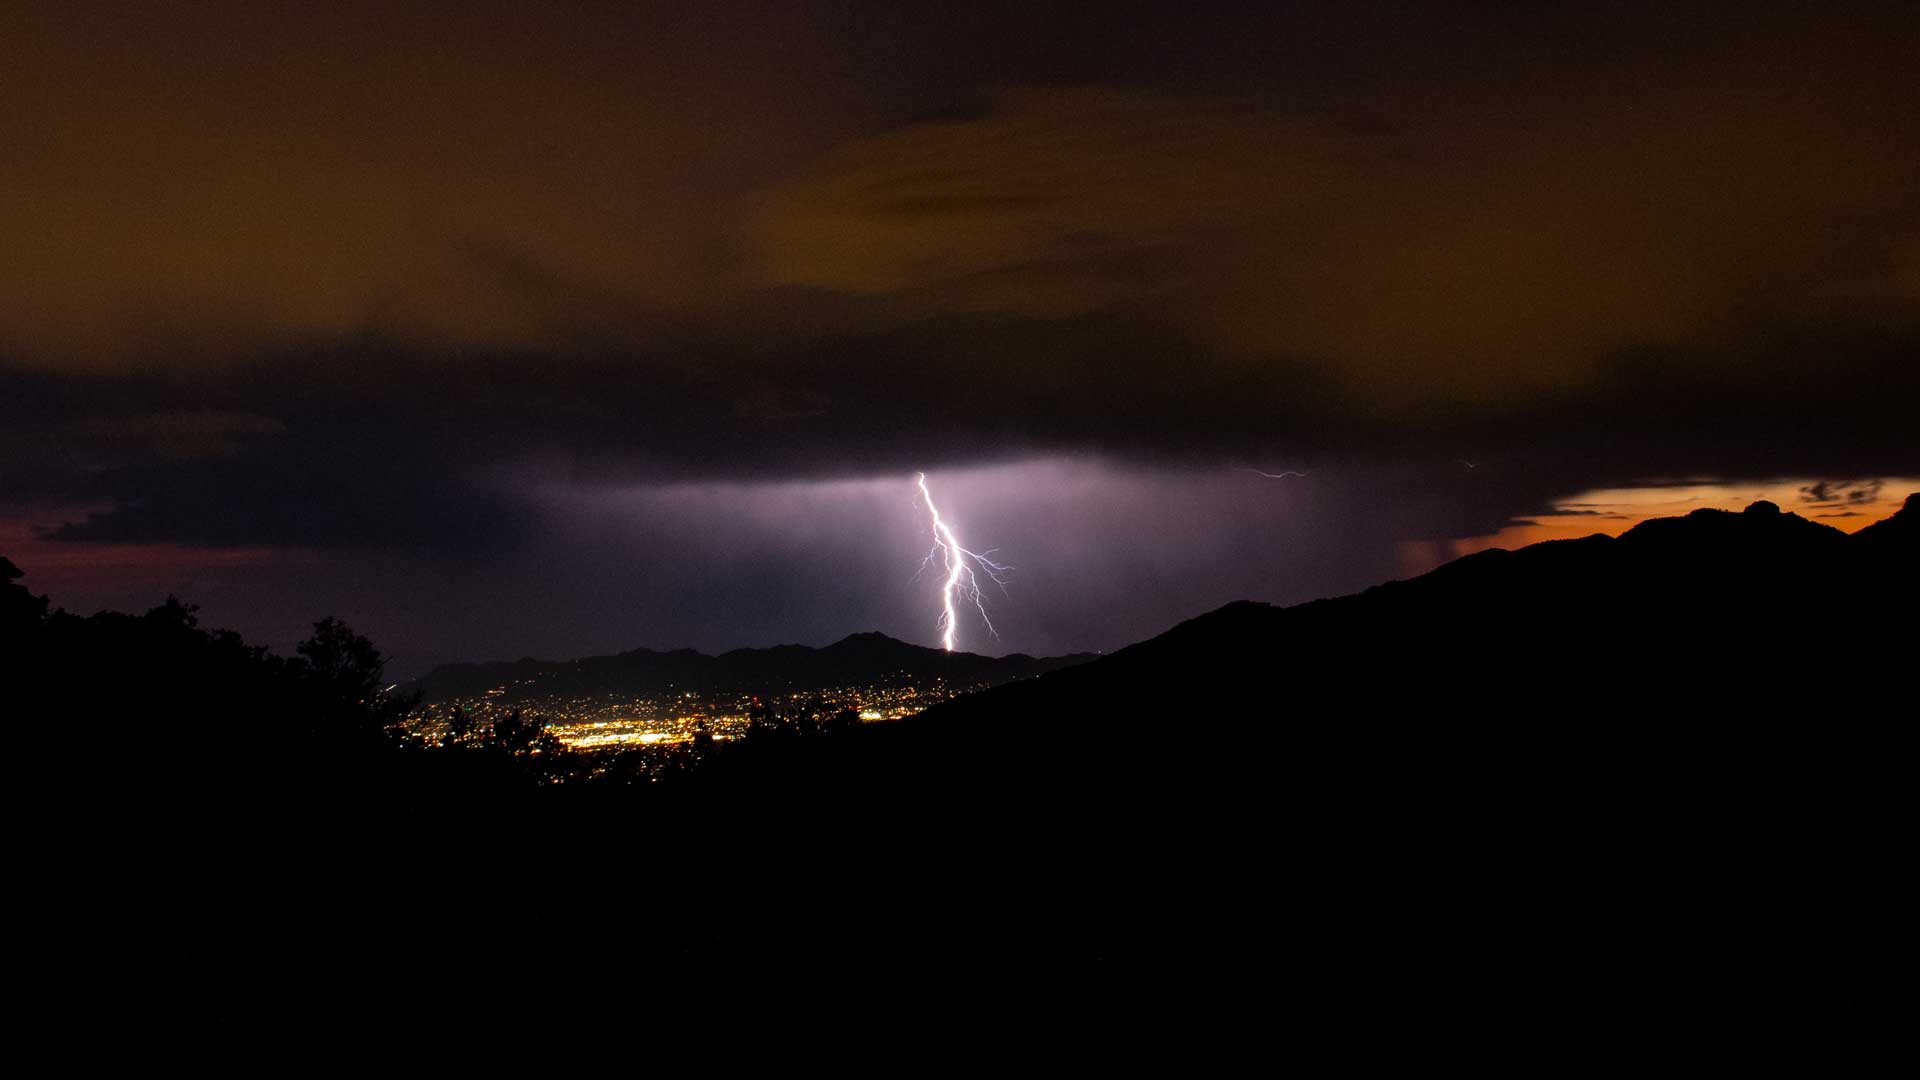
[[507, 329]]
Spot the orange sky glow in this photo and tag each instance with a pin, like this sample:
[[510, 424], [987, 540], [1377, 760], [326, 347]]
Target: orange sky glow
[[1848, 506]]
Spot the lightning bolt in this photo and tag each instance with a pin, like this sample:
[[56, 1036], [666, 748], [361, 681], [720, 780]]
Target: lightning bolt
[[962, 582]]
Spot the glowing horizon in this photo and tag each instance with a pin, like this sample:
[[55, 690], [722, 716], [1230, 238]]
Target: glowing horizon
[[1848, 506]]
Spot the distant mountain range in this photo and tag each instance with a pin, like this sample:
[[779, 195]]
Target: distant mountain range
[[1716, 611], [869, 659]]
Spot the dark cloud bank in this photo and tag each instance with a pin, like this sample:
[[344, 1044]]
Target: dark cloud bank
[[493, 293]]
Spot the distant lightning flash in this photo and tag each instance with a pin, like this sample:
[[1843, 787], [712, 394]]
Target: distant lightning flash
[[959, 564]]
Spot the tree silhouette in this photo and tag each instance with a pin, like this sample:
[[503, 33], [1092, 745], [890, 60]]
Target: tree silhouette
[[342, 673], [20, 610], [345, 664]]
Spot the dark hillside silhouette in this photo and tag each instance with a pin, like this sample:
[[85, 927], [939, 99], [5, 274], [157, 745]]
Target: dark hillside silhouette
[[1676, 708], [1897, 533], [1564, 765], [1718, 636]]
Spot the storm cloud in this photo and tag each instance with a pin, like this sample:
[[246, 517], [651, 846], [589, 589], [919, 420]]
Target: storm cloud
[[424, 285]]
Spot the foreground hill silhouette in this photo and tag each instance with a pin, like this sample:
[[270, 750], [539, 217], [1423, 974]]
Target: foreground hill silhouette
[[1685, 646], [1687, 708], [869, 659], [1663, 772], [1716, 611]]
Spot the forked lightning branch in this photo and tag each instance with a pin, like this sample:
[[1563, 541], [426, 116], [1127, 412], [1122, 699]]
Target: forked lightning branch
[[961, 586]]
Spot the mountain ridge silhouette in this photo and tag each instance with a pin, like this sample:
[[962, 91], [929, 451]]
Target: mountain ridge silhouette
[[1720, 624], [865, 658]]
